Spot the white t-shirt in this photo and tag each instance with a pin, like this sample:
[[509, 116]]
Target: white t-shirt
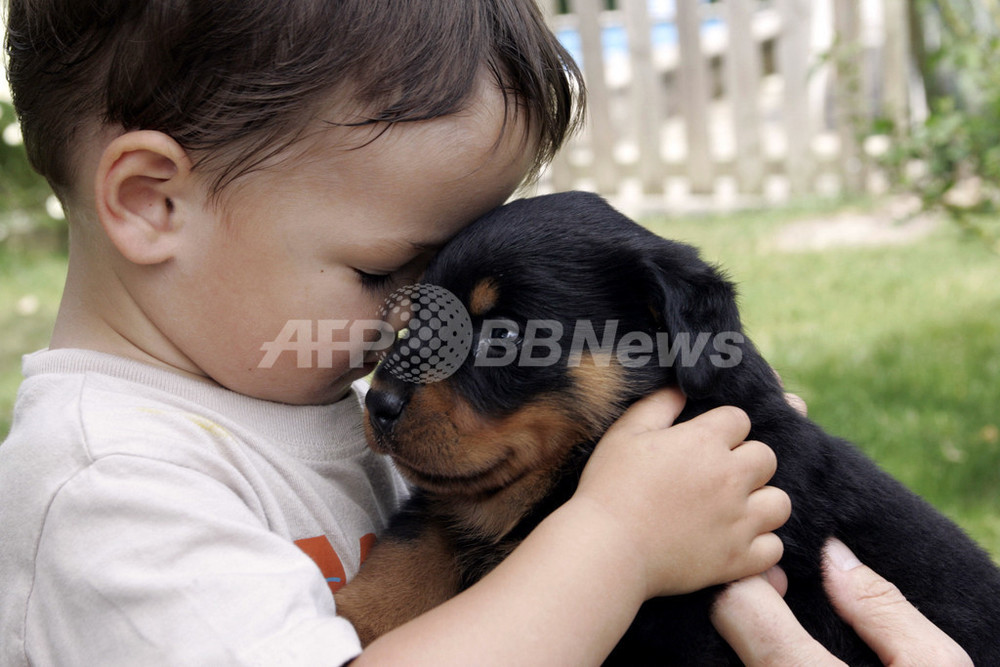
[[148, 518]]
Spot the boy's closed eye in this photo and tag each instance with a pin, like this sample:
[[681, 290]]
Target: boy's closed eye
[[375, 282], [399, 273]]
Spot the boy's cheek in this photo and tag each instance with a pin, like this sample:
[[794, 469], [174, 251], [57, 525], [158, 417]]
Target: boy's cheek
[[288, 369], [327, 344], [299, 361]]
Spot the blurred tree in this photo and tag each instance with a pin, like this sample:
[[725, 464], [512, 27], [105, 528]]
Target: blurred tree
[[26, 201], [952, 161]]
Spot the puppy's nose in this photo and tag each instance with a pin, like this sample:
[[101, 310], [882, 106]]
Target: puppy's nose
[[384, 408]]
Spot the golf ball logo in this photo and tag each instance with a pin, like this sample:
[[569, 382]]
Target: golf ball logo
[[435, 337]]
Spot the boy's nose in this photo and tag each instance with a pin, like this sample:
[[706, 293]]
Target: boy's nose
[[384, 408]]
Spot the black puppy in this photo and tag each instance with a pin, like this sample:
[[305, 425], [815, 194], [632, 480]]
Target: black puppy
[[574, 312]]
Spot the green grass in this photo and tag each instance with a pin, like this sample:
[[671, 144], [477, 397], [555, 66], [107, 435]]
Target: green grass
[[30, 285], [894, 348]]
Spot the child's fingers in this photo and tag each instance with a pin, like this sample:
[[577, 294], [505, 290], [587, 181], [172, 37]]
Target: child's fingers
[[759, 459], [764, 553], [767, 510], [727, 423], [770, 506], [653, 412]]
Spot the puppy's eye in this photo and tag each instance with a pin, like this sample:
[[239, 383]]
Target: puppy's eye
[[498, 339], [504, 330], [507, 334]]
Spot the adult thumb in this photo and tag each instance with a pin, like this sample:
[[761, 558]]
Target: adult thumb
[[881, 614]]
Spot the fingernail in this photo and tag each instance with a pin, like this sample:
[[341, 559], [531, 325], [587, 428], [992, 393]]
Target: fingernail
[[842, 558]]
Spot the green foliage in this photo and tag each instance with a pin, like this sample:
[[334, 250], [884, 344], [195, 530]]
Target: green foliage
[[20, 187], [957, 149], [24, 218]]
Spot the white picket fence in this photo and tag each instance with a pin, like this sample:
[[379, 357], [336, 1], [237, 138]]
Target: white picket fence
[[732, 102]]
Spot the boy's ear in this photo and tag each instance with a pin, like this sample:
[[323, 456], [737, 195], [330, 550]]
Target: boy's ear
[[139, 178]]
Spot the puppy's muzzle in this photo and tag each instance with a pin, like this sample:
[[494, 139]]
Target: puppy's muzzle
[[385, 405]]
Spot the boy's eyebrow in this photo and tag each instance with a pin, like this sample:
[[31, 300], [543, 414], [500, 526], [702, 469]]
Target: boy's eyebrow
[[394, 248], [426, 247], [406, 244]]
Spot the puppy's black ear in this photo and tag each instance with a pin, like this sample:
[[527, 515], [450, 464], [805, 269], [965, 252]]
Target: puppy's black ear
[[696, 306]]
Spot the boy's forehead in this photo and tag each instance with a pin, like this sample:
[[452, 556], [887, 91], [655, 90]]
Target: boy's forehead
[[488, 126], [422, 164]]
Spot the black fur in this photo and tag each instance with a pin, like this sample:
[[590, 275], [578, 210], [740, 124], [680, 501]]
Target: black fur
[[571, 257]]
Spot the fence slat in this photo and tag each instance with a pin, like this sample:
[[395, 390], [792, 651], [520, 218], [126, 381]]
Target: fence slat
[[849, 86], [744, 72], [602, 139], [693, 89], [645, 94], [794, 62], [560, 172]]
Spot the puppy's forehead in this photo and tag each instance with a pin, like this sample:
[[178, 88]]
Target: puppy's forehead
[[513, 255]]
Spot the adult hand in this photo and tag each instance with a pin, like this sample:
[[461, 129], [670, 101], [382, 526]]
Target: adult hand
[[752, 616]]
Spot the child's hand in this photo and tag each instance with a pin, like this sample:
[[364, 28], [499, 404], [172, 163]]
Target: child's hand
[[688, 502]]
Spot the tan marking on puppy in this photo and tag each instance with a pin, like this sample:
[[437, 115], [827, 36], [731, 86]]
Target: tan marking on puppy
[[540, 436], [598, 383], [400, 580], [483, 296], [537, 439]]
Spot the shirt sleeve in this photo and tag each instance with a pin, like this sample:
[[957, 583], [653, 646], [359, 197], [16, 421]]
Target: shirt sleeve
[[146, 562]]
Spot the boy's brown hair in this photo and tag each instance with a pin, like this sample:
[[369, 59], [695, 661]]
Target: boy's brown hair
[[236, 81]]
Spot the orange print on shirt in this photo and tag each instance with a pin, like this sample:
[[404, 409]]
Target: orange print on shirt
[[322, 552]]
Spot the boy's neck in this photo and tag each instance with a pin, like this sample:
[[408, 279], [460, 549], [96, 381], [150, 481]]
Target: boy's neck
[[97, 313]]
